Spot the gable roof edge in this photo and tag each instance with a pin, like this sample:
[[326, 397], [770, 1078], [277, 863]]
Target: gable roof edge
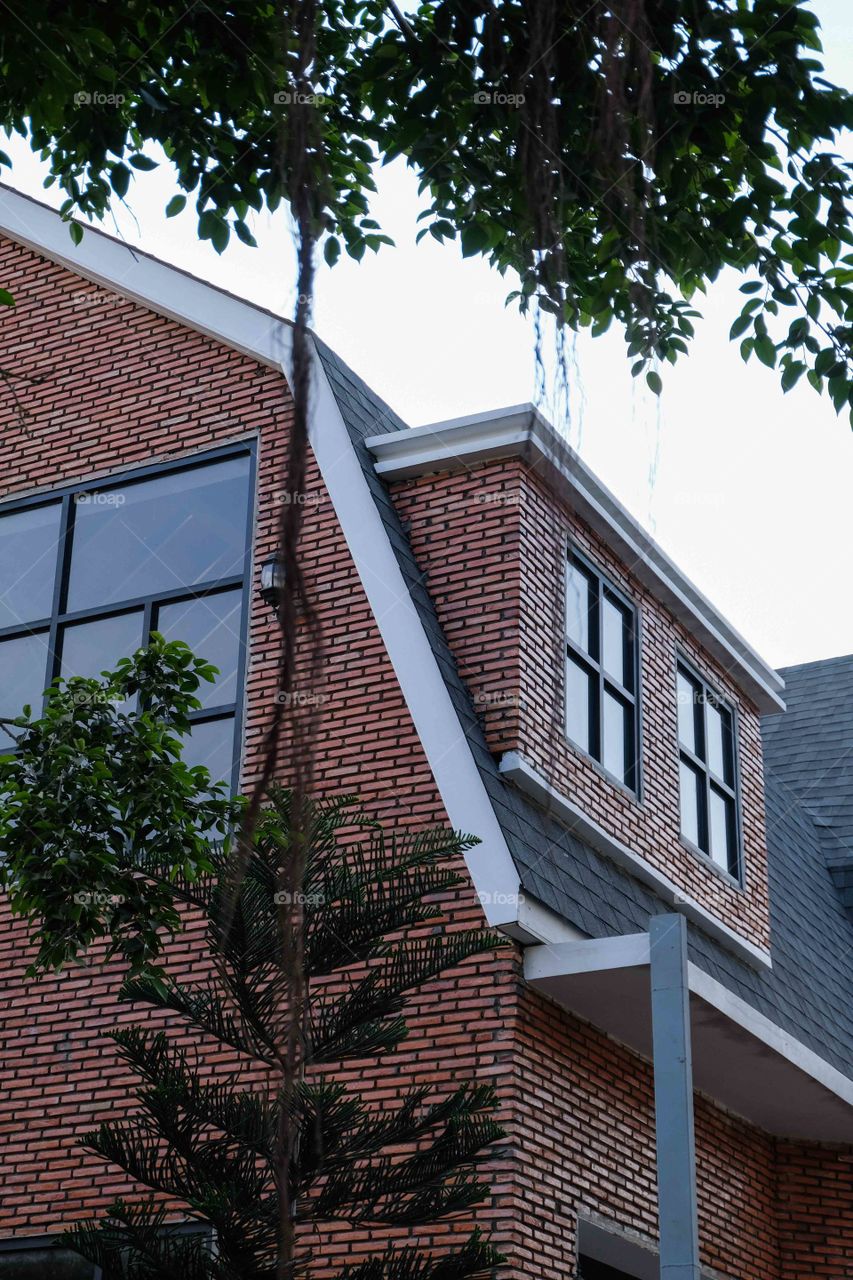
[[136, 275]]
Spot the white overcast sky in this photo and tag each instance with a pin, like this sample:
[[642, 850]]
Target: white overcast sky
[[749, 491]]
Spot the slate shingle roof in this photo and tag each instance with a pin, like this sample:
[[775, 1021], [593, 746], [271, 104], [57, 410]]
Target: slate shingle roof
[[809, 992]]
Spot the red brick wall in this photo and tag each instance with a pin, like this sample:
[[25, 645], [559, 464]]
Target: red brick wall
[[493, 539], [815, 1211], [104, 383], [584, 1119]]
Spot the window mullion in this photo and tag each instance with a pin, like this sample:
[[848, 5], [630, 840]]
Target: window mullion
[[60, 582]]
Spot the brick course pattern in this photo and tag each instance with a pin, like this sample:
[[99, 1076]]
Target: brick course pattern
[[493, 540], [104, 383]]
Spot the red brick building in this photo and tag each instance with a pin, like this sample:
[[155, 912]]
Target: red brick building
[[508, 651]]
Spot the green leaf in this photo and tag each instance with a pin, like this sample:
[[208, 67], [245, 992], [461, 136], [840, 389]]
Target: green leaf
[[653, 382], [6, 299], [765, 349], [120, 179], [175, 206], [145, 163], [75, 231], [243, 233], [740, 325]]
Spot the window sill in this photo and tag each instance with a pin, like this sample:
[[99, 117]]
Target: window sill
[[710, 865], [585, 758]]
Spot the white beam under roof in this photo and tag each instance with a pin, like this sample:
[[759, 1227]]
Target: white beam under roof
[[740, 1058], [521, 431]]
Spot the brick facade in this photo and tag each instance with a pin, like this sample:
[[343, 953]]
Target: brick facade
[[104, 384], [493, 541]]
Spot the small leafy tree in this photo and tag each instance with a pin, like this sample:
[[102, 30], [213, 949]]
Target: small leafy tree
[[100, 817], [106, 835]]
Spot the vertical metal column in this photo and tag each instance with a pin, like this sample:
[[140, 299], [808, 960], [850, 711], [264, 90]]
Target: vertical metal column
[[673, 1068]]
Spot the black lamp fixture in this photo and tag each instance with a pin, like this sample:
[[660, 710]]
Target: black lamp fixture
[[272, 582]]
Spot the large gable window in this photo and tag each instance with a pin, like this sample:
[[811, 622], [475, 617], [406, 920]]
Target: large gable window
[[88, 574], [601, 672], [706, 745]]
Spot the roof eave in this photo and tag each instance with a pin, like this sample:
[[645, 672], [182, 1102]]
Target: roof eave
[[521, 431]]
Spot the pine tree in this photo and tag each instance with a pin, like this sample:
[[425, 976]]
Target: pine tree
[[369, 936]]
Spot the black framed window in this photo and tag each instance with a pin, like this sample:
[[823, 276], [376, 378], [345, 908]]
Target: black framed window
[[86, 574], [601, 671], [707, 771]]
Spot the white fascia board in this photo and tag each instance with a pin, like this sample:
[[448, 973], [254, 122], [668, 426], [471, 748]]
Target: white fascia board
[[520, 772], [779, 1041], [136, 275], [557, 959], [547, 962], [490, 863], [521, 431]]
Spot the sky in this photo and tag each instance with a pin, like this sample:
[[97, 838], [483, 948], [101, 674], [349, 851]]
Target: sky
[[750, 491]]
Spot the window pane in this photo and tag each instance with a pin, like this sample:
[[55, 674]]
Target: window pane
[[156, 535], [211, 743], [29, 541], [23, 676], [687, 704], [719, 742], [615, 732], [723, 831], [579, 596], [88, 648], [578, 702], [690, 802], [614, 641], [211, 627]]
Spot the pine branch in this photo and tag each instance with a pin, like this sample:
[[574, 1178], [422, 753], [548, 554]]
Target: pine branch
[[203, 1008], [415, 1189], [367, 1020], [242, 1116], [473, 1261]]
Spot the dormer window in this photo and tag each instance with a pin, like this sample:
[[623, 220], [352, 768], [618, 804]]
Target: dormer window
[[601, 671], [706, 745]]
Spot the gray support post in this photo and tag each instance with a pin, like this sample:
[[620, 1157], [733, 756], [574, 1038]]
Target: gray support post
[[673, 1067]]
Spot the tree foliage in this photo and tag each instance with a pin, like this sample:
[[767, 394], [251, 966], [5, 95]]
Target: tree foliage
[[103, 825], [211, 1142], [109, 837], [616, 156]]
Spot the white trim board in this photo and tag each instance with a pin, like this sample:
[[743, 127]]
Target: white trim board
[[606, 981], [144, 279], [520, 772], [521, 431]]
